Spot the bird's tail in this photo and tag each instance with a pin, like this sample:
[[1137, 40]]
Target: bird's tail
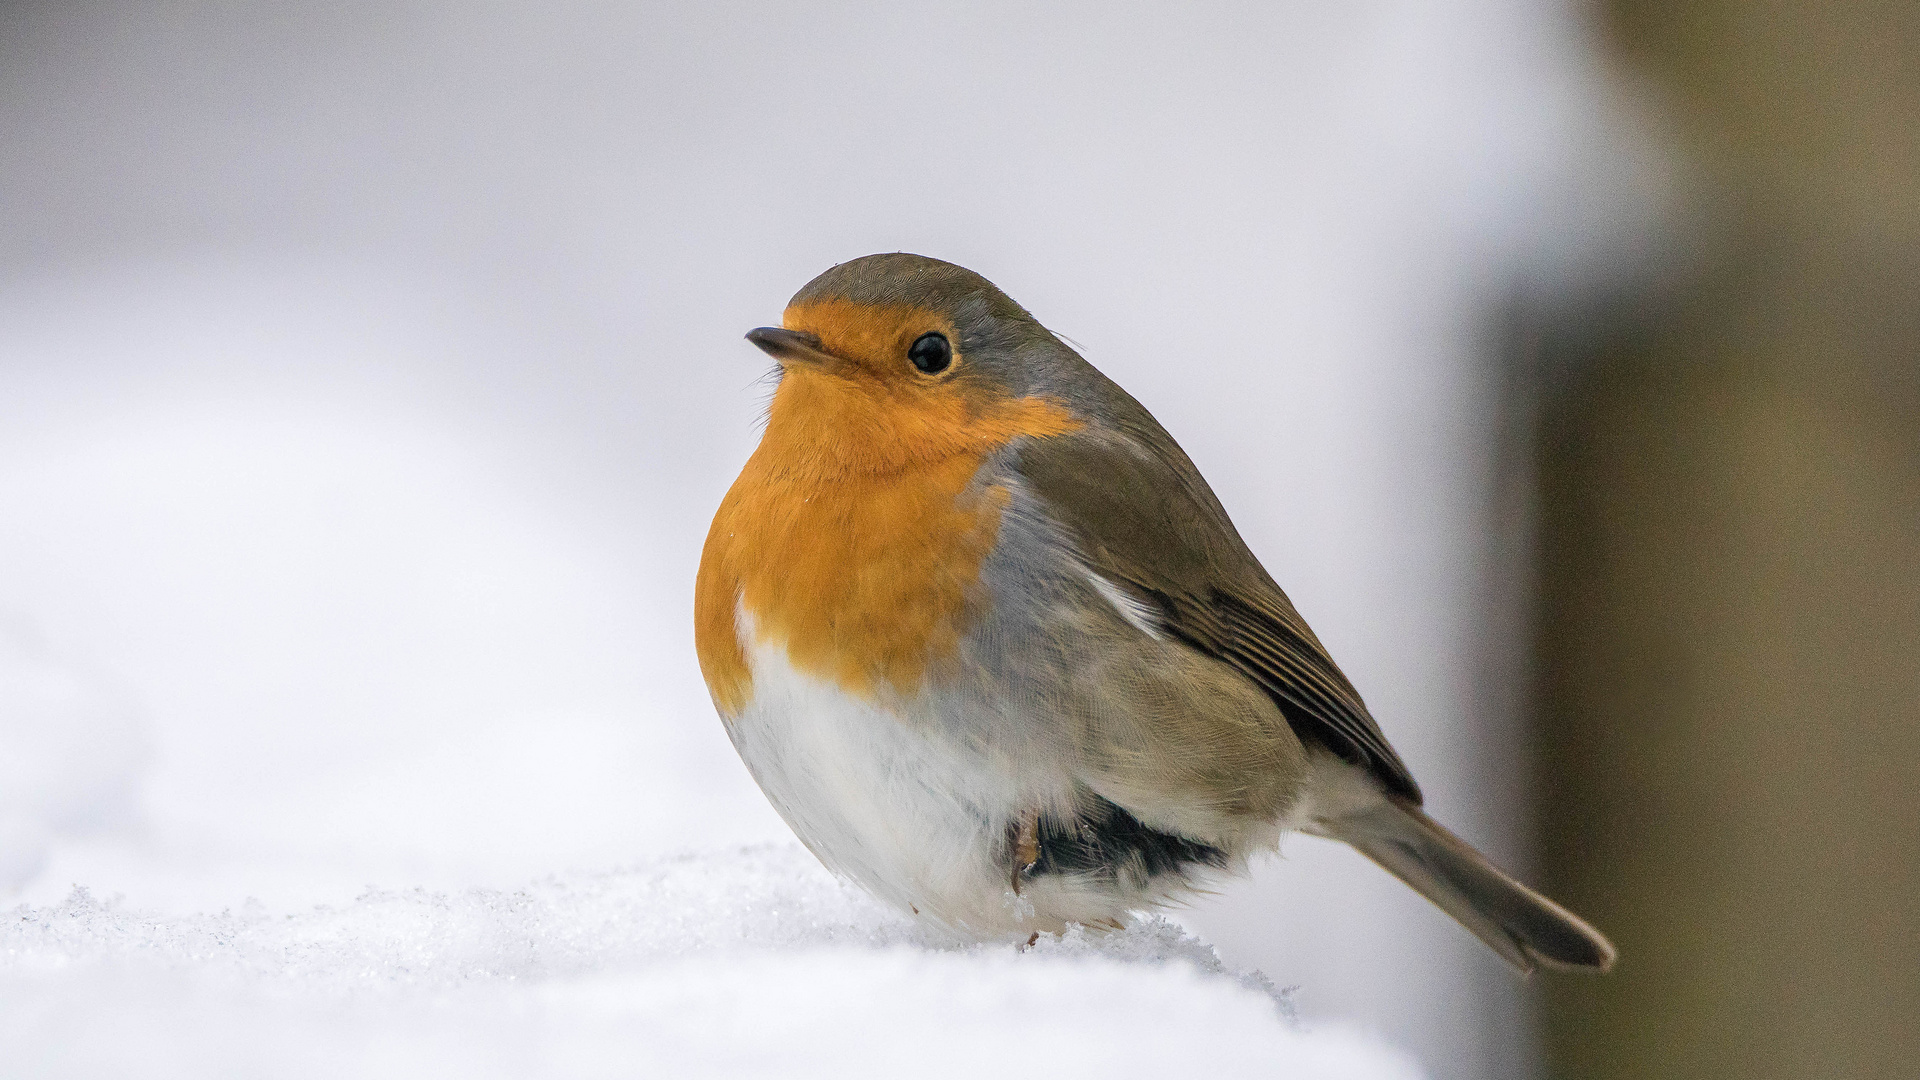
[[1525, 928]]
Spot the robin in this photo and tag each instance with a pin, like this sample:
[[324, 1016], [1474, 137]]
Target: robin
[[991, 646]]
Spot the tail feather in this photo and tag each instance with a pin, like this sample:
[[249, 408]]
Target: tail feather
[[1525, 928]]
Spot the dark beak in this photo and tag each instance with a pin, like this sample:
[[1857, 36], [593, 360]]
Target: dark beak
[[789, 345]]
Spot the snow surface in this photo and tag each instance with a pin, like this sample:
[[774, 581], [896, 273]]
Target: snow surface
[[748, 962]]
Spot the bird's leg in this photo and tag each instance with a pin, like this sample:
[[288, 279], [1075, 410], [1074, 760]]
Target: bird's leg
[[1026, 846]]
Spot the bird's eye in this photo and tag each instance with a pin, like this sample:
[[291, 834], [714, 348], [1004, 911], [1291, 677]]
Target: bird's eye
[[931, 353]]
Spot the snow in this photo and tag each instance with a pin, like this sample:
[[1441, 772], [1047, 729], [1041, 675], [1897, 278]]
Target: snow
[[745, 962]]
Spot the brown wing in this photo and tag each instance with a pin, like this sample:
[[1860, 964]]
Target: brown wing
[[1143, 518]]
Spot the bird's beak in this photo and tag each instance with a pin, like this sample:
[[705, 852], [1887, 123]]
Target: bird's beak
[[790, 346]]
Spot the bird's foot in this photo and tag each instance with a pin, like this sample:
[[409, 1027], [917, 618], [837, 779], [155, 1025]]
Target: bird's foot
[[1026, 847]]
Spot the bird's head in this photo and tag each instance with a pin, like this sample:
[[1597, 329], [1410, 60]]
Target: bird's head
[[894, 358]]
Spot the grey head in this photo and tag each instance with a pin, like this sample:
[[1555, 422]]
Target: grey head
[[998, 339]]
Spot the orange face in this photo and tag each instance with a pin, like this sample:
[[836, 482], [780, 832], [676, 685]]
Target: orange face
[[874, 340], [855, 534], [868, 409]]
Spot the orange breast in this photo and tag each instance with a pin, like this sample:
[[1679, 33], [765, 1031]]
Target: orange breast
[[855, 534]]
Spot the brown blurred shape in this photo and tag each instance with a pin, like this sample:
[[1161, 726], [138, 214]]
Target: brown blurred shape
[[1729, 620]]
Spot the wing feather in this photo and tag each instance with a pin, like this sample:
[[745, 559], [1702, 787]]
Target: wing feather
[[1141, 518]]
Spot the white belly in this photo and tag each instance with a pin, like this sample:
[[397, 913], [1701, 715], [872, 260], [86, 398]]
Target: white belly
[[884, 799]]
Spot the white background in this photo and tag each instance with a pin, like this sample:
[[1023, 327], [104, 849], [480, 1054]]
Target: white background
[[369, 374]]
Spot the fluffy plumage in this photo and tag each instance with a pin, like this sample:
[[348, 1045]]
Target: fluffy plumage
[[994, 650]]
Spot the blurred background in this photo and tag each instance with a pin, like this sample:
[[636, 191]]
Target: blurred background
[[369, 374]]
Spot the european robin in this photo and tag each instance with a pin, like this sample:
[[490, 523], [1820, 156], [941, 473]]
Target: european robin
[[993, 649]]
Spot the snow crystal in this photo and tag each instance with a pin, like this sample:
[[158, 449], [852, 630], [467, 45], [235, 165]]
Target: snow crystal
[[751, 962]]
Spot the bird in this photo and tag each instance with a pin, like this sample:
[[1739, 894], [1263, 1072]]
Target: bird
[[993, 649]]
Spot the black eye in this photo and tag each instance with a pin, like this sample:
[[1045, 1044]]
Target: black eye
[[931, 353]]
